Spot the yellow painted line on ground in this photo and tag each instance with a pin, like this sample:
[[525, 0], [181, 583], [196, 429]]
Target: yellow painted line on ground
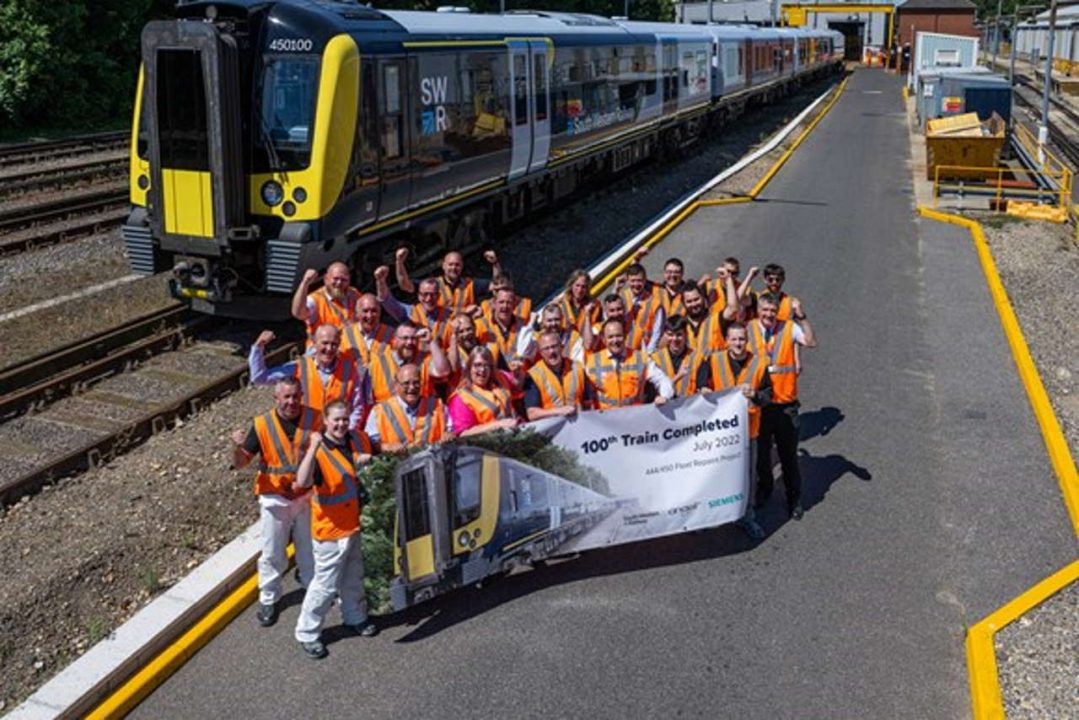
[[985, 695], [677, 220], [149, 678], [127, 696]]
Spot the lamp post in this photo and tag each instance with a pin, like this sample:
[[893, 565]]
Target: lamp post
[[1043, 129], [996, 35]]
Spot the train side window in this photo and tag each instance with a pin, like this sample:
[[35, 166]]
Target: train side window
[[466, 492], [366, 150], [391, 118], [470, 119], [539, 85], [520, 90], [538, 486], [417, 516]]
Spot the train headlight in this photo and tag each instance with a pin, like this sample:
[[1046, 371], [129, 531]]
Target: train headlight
[[299, 195], [143, 182], [272, 193], [463, 538]]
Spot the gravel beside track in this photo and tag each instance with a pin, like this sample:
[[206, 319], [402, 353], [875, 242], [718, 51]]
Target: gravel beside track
[[1038, 654], [32, 277], [53, 327], [1039, 264], [1038, 660], [86, 554]]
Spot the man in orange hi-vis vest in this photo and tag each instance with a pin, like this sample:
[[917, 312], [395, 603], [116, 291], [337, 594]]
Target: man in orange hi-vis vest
[[618, 375], [644, 306], [778, 340], [456, 292], [334, 303], [555, 385], [325, 375], [407, 347], [737, 367], [331, 466], [279, 438], [368, 334], [408, 419], [426, 313]]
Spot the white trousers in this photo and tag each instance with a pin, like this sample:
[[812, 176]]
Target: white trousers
[[338, 572], [280, 518]]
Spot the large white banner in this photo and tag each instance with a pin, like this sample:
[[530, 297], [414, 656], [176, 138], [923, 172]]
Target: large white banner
[[670, 469]]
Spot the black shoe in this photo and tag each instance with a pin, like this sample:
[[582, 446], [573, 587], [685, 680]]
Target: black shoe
[[267, 615], [752, 528], [364, 629], [796, 512], [314, 649]]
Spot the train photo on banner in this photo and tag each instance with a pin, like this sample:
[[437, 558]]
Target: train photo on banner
[[271, 137], [464, 514]]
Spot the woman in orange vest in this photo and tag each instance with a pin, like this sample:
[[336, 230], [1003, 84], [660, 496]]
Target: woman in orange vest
[[331, 465], [577, 301], [482, 402]]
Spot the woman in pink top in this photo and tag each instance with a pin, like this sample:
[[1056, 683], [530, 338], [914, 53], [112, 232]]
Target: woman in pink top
[[481, 403]]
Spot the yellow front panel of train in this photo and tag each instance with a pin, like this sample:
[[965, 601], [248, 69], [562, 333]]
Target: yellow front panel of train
[[482, 529], [189, 202], [420, 554]]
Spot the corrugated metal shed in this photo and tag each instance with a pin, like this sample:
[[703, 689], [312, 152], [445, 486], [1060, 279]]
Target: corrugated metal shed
[[937, 51]]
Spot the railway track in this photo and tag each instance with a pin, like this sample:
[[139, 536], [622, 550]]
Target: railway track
[[36, 179], [101, 419], [24, 153], [1065, 138], [74, 368], [67, 218]]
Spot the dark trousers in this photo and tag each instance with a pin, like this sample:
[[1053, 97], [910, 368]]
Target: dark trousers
[[779, 423]]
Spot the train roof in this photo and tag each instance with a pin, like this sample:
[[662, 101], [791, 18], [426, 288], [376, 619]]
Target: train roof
[[516, 23]]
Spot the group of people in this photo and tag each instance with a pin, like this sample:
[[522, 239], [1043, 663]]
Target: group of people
[[453, 356]]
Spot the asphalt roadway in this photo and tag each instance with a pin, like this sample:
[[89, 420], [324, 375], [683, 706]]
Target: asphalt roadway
[[930, 502]]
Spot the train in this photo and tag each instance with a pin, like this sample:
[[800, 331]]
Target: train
[[273, 136], [465, 514]]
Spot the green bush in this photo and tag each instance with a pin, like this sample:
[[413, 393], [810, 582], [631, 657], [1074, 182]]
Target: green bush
[[70, 64]]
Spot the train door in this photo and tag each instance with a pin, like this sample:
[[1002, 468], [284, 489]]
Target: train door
[[192, 102], [520, 116], [422, 535], [542, 56], [396, 184], [670, 73]]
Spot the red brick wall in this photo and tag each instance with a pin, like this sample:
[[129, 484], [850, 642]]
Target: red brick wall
[[951, 22]]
